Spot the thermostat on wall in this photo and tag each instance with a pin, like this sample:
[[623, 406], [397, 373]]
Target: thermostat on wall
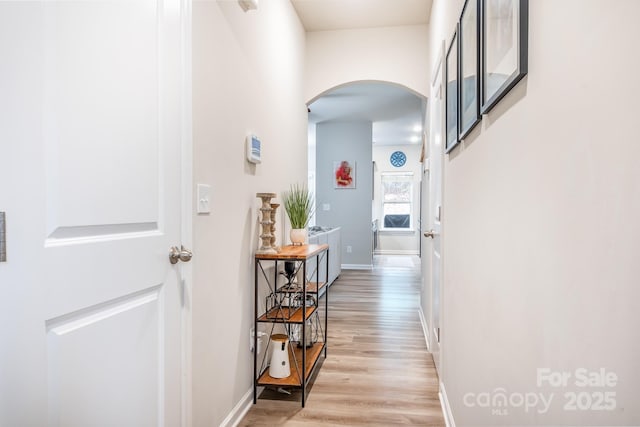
[[254, 153]]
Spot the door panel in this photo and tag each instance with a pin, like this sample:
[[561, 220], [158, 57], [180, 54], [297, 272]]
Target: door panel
[[134, 324], [90, 178], [101, 115]]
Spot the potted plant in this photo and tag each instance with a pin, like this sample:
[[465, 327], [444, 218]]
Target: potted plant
[[298, 203]]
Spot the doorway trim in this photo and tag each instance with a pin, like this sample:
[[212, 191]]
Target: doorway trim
[[186, 225]]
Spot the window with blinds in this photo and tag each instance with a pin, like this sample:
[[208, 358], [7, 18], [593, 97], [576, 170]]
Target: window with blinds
[[397, 199]]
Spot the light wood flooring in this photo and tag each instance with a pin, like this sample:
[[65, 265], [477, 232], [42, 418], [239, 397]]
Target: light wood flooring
[[378, 371]]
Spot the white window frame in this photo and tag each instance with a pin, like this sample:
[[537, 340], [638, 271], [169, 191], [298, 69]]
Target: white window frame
[[409, 176]]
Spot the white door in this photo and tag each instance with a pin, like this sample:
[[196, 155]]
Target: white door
[[433, 229], [91, 133]]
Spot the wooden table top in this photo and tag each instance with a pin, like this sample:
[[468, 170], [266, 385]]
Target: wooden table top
[[297, 253]]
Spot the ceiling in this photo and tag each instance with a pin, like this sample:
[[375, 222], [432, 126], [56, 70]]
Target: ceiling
[[395, 112], [323, 15]]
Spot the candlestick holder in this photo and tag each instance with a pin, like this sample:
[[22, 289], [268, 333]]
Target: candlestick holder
[[274, 207], [266, 223]]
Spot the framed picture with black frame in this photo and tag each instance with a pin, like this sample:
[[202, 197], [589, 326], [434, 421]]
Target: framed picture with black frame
[[451, 93], [469, 68], [504, 28]]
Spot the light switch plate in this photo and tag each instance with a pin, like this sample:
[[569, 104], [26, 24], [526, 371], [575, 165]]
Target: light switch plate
[[326, 207], [203, 196]]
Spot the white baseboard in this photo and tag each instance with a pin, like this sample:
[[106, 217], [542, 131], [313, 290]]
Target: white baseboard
[[446, 409], [395, 252], [239, 411], [357, 266], [425, 328]]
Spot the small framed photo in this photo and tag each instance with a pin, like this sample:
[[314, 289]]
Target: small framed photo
[[451, 93], [504, 27], [469, 66], [344, 174]]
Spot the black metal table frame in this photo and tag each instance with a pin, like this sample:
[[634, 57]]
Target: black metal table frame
[[258, 266]]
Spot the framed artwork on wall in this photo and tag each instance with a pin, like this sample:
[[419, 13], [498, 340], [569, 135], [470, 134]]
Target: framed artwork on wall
[[469, 68], [504, 27], [451, 93], [344, 174]]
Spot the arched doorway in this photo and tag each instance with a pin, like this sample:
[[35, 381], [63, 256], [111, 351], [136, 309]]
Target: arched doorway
[[377, 129]]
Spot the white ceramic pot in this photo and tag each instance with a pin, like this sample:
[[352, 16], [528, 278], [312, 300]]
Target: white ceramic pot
[[279, 365], [298, 236]]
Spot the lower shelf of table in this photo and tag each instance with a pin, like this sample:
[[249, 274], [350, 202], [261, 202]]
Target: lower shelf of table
[[293, 380], [286, 315]]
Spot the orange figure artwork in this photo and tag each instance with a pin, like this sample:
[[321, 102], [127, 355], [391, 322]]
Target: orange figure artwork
[[344, 174]]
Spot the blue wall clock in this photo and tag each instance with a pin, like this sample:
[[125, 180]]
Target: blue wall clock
[[398, 159]]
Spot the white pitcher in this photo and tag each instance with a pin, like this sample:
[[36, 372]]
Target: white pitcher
[[279, 366]]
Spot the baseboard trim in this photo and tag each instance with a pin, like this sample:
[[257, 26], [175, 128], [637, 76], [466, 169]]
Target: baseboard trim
[[395, 252], [446, 408], [425, 328], [239, 411], [357, 266]]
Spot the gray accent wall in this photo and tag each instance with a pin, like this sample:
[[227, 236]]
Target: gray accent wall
[[350, 209]]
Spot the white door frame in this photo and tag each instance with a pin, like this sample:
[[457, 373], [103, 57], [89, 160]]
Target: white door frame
[[187, 212], [436, 163]]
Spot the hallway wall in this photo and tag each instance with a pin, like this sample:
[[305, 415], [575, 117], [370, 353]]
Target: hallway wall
[[393, 54], [350, 208], [541, 208], [247, 78]]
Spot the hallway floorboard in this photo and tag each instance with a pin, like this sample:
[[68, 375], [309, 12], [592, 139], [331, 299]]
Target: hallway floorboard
[[378, 371]]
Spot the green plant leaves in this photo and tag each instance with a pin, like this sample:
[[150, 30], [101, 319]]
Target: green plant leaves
[[298, 203]]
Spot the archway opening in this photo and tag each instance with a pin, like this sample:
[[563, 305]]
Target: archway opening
[[375, 129]]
